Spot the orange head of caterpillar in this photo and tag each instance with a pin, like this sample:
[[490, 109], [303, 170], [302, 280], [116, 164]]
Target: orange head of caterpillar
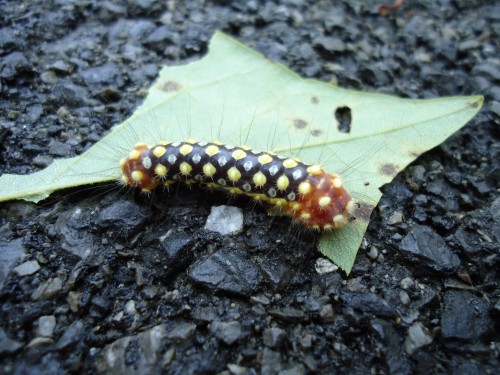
[[136, 169], [323, 203]]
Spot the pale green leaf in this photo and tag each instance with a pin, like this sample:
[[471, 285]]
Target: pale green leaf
[[236, 96]]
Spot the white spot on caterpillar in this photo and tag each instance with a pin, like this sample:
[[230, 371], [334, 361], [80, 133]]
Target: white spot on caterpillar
[[196, 158], [291, 196], [247, 187], [221, 182], [248, 165], [272, 192], [297, 174], [273, 170], [222, 161], [171, 159], [146, 162]]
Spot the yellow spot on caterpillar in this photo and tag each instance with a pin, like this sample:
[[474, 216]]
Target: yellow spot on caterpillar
[[191, 141], [339, 220], [218, 143], [161, 170], [159, 151], [289, 163], [147, 191], [164, 143], [185, 169], [337, 183], [136, 176], [122, 163], [314, 170], [234, 174], [239, 154], [211, 185], [134, 155], [141, 145], [259, 179], [185, 149], [305, 188], [324, 201], [209, 170], [168, 183], [282, 182], [264, 159], [212, 150], [295, 206], [305, 216], [125, 180]]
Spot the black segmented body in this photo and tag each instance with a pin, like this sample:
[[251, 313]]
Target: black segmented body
[[306, 192]]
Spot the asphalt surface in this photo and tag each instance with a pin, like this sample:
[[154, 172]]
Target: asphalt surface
[[95, 281]]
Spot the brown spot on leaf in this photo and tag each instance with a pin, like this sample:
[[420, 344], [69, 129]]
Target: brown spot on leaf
[[389, 169], [475, 104], [316, 132], [299, 123], [170, 86], [314, 100], [362, 211]]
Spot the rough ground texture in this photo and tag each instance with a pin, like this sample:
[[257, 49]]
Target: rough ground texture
[[107, 282]]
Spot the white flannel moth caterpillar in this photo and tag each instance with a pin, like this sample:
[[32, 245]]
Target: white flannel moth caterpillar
[[307, 193]]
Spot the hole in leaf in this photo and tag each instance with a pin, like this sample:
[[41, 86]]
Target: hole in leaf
[[343, 117]]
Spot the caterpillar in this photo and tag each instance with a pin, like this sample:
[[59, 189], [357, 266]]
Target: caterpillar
[[310, 195]]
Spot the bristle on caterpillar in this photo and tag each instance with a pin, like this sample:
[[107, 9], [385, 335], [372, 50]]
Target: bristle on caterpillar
[[307, 193]]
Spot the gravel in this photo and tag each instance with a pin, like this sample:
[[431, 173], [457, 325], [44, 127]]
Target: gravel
[[100, 281]]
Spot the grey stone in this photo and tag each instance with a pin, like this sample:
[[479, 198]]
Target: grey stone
[[46, 325], [225, 220], [228, 332], [418, 336], [27, 268]]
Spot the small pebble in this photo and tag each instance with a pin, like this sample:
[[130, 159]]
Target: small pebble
[[27, 268]]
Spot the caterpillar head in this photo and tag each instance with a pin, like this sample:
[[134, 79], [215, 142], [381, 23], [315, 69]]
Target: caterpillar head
[[323, 201], [136, 169]]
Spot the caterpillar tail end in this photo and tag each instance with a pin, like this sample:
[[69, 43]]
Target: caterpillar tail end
[[323, 202], [136, 169]]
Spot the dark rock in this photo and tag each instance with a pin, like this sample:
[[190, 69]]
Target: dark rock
[[182, 332], [389, 343], [136, 355], [7, 345], [271, 362], [70, 336], [368, 302], [329, 44], [10, 252], [464, 316], [13, 64], [228, 271], [61, 66], [107, 74], [162, 36], [277, 272], [273, 337], [426, 248], [122, 217], [59, 149], [288, 314], [227, 332], [72, 226]]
